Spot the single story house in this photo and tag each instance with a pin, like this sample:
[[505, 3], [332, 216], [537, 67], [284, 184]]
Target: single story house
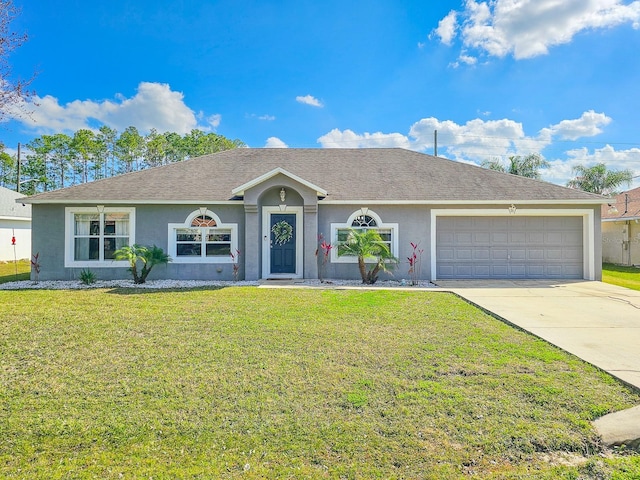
[[273, 206], [621, 229], [15, 227]]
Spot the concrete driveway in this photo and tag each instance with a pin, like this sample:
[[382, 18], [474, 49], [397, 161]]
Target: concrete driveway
[[595, 321]]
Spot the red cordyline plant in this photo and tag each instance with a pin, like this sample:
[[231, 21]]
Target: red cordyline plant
[[323, 251], [35, 267], [236, 266], [415, 259]]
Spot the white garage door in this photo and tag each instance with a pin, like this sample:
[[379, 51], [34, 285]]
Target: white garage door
[[509, 247]]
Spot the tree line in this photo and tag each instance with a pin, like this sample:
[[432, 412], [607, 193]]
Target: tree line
[[56, 161]]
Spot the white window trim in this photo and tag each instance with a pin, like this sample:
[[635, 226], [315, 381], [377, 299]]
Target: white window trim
[[380, 225], [69, 213], [172, 244]]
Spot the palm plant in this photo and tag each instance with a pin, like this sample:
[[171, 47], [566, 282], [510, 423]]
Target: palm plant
[[527, 166], [148, 256], [368, 244], [598, 179]]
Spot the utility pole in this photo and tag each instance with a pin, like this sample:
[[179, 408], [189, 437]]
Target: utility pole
[[435, 143], [18, 171]]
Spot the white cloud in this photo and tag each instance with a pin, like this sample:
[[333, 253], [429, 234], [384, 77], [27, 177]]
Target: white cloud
[[447, 28], [349, 139], [214, 120], [562, 170], [265, 117], [588, 125], [154, 105], [309, 100], [275, 142], [478, 140], [528, 28]]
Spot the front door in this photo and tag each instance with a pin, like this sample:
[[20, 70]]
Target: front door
[[282, 228]]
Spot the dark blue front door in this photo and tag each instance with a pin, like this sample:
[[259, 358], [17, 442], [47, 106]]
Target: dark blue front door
[[283, 243]]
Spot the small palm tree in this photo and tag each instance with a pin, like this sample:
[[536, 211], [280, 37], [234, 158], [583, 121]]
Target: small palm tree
[[527, 166], [148, 256], [598, 179], [368, 244]]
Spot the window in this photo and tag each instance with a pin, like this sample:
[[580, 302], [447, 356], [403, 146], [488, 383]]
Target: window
[[93, 236], [202, 238], [362, 221]]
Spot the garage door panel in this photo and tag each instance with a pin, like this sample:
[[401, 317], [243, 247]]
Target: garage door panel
[[535, 254], [555, 254], [535, 223], [464, 238], [571, 254], [482, 253], [446, 254], [499, 271], [500, 254], [499, 238], [571, 238], [571, 271], [464, 254], [446, 271], [517, 254], [518, 271], [463, 271], [553, 238], [518, 237], [445, 238], [536, 238], [483, 271], [536, 271], [509, 247]]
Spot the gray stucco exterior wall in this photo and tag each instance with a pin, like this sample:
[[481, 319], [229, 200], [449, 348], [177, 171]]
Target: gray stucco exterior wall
[[414, 224]]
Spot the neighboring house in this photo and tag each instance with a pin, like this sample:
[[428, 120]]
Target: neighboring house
[[621, 229], [15, 223], [273, 204]]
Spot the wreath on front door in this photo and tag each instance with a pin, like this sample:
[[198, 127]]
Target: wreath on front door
[[282, 232]]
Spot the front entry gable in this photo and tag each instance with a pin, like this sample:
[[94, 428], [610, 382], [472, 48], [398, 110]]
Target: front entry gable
[[240, 190]]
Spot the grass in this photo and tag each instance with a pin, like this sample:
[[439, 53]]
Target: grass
[[628, 277], [257, 383], [8, 271]]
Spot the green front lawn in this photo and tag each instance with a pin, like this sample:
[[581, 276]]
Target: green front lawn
[[261, 383], [15, 271], [623, 276]]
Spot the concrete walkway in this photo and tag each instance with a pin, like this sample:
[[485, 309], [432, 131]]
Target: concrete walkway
[[598, 322]]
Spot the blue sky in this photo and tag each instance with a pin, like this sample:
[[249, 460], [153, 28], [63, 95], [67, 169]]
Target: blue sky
[[495, 78]]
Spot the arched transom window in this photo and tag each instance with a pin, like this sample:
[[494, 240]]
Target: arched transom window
[[362, 221], [202, 238]]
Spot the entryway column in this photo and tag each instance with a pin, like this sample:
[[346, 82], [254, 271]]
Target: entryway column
[[310, 241], [252, 243]]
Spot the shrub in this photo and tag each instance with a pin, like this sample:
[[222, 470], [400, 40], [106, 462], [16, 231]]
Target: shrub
[[147, 256], [87, 277]]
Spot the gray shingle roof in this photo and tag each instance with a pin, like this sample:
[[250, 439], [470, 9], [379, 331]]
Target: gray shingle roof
[[9, 207], [379, 174], [627, 206]]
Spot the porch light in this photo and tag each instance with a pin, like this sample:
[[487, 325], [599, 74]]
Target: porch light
[[100, 208], [613, 210], [283, 194], [512, 209]]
